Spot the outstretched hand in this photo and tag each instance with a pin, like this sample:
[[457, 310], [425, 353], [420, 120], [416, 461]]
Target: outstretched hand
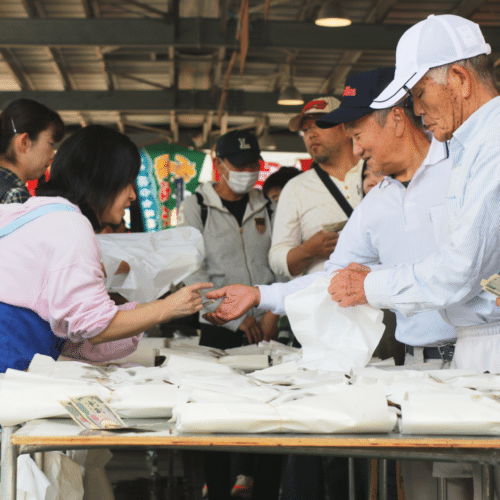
[[238, 299], [185, 301], [347, 286]]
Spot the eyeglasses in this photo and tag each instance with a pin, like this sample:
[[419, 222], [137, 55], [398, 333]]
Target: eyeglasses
[[306, 130]]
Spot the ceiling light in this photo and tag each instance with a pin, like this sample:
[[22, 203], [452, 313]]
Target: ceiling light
[[290, 96], [332, 14], [266, 142]]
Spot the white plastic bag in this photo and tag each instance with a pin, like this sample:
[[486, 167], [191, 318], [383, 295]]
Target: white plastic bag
[[156, 260], [333, 338]]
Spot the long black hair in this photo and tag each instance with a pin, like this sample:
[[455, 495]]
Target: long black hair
[[91, 167], [27, 116]]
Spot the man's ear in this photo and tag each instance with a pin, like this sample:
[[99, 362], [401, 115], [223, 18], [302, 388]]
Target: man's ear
[[398, 120], [342, 127], [460, 78]]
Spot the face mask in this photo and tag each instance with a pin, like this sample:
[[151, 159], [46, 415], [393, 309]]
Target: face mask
[[241, 182]]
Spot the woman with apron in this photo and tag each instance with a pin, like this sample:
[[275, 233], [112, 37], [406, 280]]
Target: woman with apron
[[52, 293]]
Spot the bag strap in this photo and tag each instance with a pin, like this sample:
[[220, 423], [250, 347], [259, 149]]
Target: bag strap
[[34, 214], [334, 190], [204, 208]]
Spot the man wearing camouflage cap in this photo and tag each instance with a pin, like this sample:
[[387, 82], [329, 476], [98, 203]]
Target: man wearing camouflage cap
[[299, 244]]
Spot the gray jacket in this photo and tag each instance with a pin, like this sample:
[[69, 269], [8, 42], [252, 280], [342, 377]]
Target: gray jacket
[[233, 254]]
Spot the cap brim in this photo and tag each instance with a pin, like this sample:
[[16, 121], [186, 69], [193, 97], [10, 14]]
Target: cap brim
[[243, 158], [342, 115], [397, 90], [294, 123]]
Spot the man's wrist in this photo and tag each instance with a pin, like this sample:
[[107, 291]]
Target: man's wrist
[[257, 296]]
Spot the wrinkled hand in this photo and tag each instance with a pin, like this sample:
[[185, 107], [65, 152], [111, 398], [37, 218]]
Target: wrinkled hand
[[252, 330], [347, 286], [322, 244], [185, 301], [269, 325], [238, 299]]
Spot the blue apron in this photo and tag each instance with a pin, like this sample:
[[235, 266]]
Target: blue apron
[[22, 332]]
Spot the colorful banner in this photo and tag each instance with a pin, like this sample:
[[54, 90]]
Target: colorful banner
[[167, 170]]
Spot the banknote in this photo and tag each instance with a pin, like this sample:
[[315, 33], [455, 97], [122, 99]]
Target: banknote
[[94, 409], [492, 285], [335, 227], [77, 416]]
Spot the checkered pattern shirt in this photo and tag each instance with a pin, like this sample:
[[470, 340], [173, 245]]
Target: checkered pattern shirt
[[17, 193]]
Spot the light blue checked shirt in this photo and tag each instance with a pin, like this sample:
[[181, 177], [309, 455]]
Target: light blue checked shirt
[[392, 225], [449, 279]]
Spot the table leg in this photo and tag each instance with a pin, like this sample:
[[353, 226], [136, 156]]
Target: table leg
[[487, 482], [382, 478], [442, 488], [352, 482], [9, 465]]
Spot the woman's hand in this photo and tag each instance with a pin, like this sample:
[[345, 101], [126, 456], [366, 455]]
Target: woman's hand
[[185, 301]]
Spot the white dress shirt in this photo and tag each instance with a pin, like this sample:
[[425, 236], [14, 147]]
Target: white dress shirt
[[305, 204], [450, 278], [392, 225]]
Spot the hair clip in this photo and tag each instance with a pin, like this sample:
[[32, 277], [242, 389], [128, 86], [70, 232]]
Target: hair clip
[[13, 125]]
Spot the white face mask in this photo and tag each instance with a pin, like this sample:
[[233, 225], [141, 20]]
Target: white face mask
[[241, 182]]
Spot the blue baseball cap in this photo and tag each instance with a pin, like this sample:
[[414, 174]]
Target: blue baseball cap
[[239, 147], [359, 92]]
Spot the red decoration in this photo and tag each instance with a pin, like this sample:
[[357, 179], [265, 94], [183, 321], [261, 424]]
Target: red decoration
[[165, 191], [314, 105], [305, 164]]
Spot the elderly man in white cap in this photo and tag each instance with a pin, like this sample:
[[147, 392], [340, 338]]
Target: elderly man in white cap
[[443, 62], [300, 245]]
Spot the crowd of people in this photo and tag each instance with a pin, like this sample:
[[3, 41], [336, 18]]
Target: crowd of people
[[399, 209]]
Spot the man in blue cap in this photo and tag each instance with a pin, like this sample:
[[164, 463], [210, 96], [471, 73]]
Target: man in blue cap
[[397, 222], [444, 63]]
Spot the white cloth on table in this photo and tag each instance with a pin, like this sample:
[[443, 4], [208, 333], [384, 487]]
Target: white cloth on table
[[348, 410]]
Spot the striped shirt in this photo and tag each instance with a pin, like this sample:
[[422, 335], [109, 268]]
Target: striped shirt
[[449, 279], [393, 225], [17, 192]]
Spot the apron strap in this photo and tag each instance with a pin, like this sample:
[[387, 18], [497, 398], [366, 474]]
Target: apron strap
[[34, 214]]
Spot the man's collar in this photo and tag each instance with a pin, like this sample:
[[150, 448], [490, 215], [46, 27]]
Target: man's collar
[[475, 124], [438, 151]]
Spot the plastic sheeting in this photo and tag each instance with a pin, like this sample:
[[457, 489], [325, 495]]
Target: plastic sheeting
[[332, 338], [156, 260]]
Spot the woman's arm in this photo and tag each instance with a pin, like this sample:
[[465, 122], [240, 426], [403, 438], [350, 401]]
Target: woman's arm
[[126, 324]]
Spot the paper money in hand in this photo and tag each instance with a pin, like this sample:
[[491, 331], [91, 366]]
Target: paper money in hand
[[492, 285], [335, 227]]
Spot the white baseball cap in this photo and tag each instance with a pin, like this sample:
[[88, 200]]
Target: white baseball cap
[[436, 41], [321, 105]]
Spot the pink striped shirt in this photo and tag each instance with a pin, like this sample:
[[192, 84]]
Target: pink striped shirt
[[52, 266]]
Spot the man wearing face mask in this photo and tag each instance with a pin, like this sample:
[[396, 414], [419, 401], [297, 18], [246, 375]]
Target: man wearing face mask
[[234, 219]]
